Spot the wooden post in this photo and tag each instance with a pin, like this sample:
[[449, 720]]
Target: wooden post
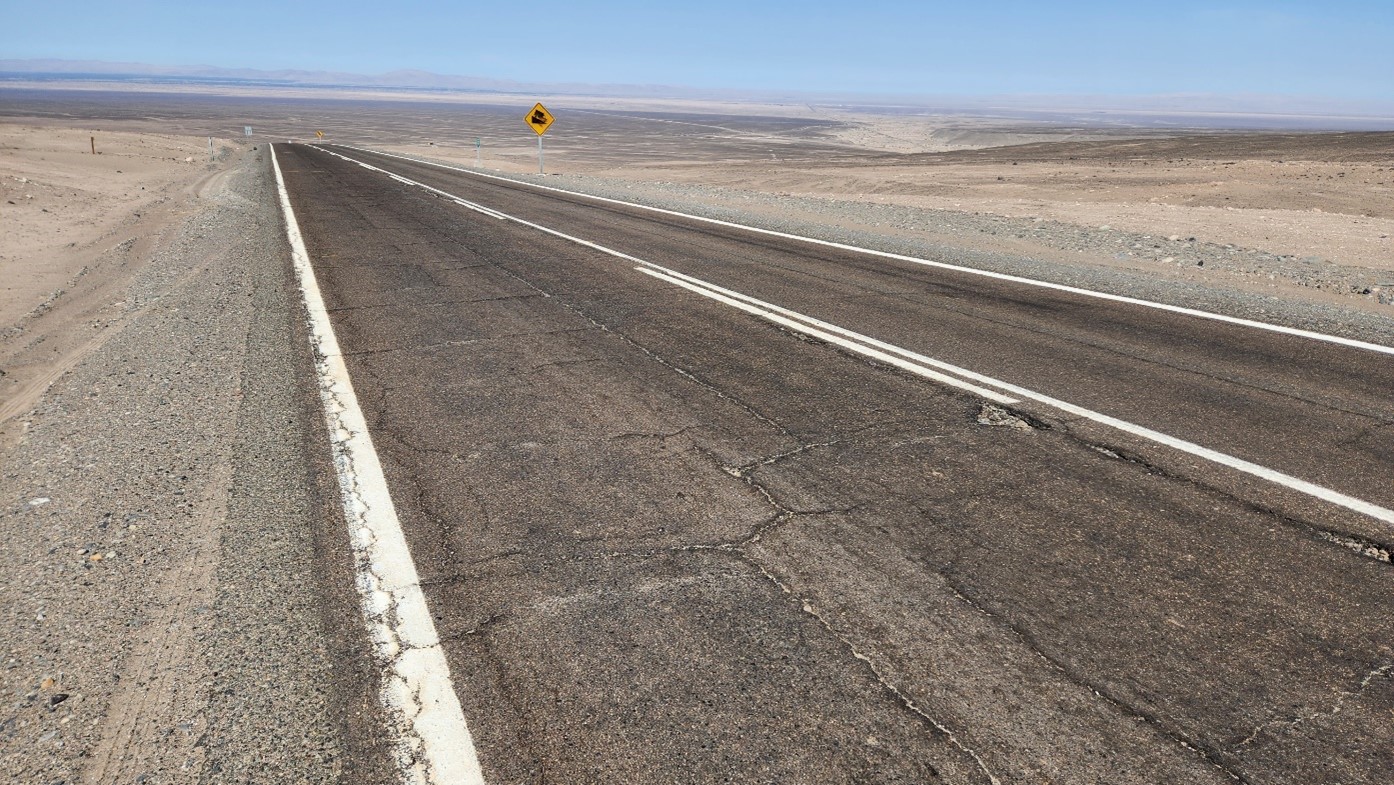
[[94, 145]]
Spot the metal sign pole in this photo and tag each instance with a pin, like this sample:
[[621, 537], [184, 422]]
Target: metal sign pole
[[539, 154], [476, 152]]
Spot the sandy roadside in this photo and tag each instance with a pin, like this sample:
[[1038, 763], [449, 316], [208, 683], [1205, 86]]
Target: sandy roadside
[[78, 229], [1343, 211]]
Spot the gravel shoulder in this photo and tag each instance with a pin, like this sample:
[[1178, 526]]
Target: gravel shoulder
[[173, 604]]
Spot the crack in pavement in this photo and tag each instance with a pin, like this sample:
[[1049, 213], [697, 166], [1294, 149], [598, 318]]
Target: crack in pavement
[[876, 671], [1206, 752], [480, 628], [464, 342], [654, 356], [1308, 528], [1380, 672], [1360, 545], [378, 306]]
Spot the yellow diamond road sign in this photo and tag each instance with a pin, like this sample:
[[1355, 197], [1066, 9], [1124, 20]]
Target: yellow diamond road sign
[[540, 119], [319, 134]]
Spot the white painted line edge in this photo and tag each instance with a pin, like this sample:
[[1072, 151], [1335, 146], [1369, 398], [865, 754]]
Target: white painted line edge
[[921, 365], [432, 743], [1278, 328]]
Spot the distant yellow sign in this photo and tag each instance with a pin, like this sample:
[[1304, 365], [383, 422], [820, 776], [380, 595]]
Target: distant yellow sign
[[319, 134], [540, 119]]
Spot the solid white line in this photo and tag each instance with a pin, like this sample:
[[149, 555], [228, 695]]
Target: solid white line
[[432, 743], [806, 323], [917, 364], [1277, 328]]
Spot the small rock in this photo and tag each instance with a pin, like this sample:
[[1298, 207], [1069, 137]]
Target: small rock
[[1174, 237], [39, 501]]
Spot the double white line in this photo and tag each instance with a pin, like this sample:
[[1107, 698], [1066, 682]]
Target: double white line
[[955, 376], [988, 387]]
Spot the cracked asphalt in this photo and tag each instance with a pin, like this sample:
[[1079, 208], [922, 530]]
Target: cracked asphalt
[[665, 541]]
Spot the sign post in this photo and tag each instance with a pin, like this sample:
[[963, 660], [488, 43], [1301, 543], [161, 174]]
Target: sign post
[[539, 119], [476, 152]]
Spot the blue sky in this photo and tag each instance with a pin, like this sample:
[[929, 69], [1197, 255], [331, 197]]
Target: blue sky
[[1335, 49]]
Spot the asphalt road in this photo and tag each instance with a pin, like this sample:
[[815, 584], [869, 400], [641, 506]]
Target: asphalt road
[[667, 540]]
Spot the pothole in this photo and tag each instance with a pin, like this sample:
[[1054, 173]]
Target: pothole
[[998, 417]]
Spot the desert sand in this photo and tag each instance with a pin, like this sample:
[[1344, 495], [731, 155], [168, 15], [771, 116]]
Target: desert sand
[[78, 228]]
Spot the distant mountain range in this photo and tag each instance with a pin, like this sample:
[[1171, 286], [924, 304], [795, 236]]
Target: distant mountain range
[[415, 80], [405, 79]]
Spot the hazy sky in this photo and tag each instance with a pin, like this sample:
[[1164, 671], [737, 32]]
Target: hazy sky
[[1335, 49]]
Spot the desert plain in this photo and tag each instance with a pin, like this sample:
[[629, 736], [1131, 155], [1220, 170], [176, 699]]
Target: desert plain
[[127, 213]]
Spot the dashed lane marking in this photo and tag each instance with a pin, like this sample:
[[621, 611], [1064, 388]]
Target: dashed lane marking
[[432, 744]]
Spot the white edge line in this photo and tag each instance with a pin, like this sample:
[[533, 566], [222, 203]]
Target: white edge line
[[883, 351], [432, 743], [1278, 328]]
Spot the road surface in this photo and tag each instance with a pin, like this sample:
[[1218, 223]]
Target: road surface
[[691, 503]]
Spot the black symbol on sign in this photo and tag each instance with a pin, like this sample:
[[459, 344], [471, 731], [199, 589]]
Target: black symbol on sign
[[538, 118]]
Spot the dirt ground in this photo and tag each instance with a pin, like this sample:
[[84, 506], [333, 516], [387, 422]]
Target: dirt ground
[[78, 228]]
